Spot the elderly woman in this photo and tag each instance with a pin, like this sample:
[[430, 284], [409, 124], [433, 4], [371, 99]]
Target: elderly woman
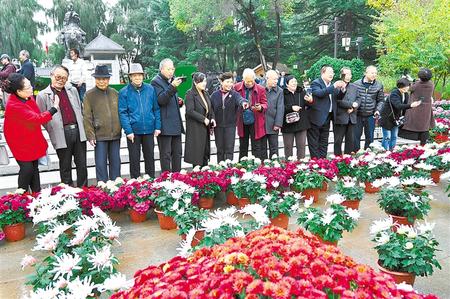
[[23, 131], [199, 120], [393, 110], [295, 99], [419, 121]]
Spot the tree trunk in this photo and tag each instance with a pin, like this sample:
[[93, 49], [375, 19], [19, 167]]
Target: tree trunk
[[278, 43]]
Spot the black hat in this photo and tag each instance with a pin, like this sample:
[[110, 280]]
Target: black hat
[[101, 71]]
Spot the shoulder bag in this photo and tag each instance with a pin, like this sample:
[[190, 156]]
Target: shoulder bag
[[293, 117]]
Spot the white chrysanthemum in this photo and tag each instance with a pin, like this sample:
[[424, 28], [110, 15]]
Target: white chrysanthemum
[[115, 282], [445, 158], [20, 191], [258, 212], [65, 265], [47, 241], [335, 199], [425, 227], [234, 180], [183, 171], [352, 213], [185, 249], [405, 287], [412, 234], [309, 216], [275, 184], [328, 216], [27, 261], [101, 259], [424, 166], [409, 245], [81, 288], [424, 181], [196, 169], [381, 225], [403, 229], [47, 293], [380, 182], [309, 202], [410, 161], [383, 238]]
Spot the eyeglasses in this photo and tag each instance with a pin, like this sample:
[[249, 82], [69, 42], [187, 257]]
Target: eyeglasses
[[60, 78]]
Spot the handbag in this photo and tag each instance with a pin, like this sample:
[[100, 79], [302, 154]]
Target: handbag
[[293, 117], [248, 117], [4, 158], [397, 121]]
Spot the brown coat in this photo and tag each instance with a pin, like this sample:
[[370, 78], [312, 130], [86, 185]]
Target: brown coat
[[420, 119]]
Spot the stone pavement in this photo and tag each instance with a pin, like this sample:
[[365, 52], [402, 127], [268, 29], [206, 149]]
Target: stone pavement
[[144, 244]]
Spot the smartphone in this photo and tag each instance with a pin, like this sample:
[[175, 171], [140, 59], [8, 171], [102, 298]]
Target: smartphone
[[183, 78], [309, 91]]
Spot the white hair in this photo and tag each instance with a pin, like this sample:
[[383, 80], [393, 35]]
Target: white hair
[[164, 62], [25, 53], [271, 73], [248, 73]]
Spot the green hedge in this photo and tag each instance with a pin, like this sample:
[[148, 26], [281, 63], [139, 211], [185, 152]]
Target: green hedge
[[356, 65]]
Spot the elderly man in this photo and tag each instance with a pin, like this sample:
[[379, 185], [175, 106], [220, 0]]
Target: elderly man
[[66, 129], [8, 68], [169, 141], [140, 119], [77, 72], [322, 111], [27, 68], [275, 111], [370, 96], [251, 122], [102, 125]]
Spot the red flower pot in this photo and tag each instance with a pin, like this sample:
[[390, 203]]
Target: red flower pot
[[324, 187], [137, 217], [352, 204], [242, 202], [14, 232], [398, 277], [231, 198], [165, 222], [400, 220], [206, 203], [198, 236], [282, 220], [308, 193], [436, 175], [369, 188]]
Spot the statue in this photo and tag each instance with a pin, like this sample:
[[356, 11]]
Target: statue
[[72, 36]]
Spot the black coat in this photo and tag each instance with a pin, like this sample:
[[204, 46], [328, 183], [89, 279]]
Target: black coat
[[171, 123], [226, 111], [388, 114], [27, 70], [197, 134], [292, 99], [344, 102], [370, 96], [319, 109]]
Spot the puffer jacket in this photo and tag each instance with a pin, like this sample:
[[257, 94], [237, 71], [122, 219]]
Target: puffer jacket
[[371, 98], [139, 109]]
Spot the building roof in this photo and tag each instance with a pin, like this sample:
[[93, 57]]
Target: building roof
[[103, 44], [280, 67]]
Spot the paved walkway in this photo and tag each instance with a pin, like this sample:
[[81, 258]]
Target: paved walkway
[[144, 244]]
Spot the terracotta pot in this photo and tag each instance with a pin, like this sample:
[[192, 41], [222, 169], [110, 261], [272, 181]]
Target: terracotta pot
[[398, 277], [137, 217], [436, 175], [14, 232], [198, 236], [118, 210], [369, 188], [326, 242], [324, 187], [165, 222], [352, 204], [231, 198], [206, 203], [242, 202], [308, 193], [400, 220], [282, 220]]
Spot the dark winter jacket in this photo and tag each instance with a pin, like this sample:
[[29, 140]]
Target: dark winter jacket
[[6, 70], [293, 99], [27, 70], [138, 109], [320, 108], [171, 123], [393, 109], [226, 110], [344, 102], [370, 96]]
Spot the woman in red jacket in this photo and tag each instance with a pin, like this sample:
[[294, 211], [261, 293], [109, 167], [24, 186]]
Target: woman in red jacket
[[23, 131]]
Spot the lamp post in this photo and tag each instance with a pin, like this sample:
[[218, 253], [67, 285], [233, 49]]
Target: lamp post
[[323, 30], [346, 44]]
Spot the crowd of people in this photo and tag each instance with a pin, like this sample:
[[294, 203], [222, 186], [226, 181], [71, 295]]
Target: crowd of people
[[301, 113]]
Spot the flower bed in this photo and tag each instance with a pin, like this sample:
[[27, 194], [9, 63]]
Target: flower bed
[[270, 262]]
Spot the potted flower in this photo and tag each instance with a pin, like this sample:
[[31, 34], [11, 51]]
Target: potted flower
[[14, 213], [308, 183], [369, 172], [406, 253], [94, 196], [351, 191], [415, 179], [169, 197], [328, 225], [440, 132], [248, 163], [249, 188], [403, 205], [190, 218], [280, 206], [207, 186], [438, 166], [226, 176], [140, 202], [327, 169]]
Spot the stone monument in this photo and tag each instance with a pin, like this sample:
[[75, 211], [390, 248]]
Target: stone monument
[[71, 35]]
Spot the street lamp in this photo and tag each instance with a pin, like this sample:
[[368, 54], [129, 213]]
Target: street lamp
[[346, 42], [323, 30]]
